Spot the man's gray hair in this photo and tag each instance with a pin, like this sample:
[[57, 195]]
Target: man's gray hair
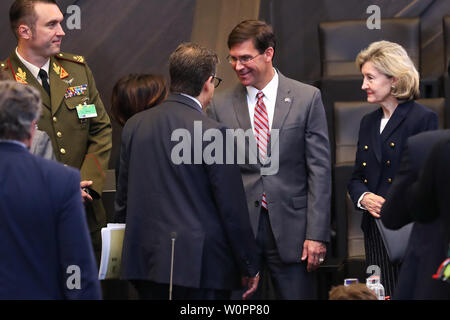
[[20, 105]]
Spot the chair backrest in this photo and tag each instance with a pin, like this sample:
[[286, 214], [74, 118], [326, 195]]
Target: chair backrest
[[347, 117], [438, 106], [341, 41], [355, 236], [109, 193]]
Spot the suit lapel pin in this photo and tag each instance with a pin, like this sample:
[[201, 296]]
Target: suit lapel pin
[[287, 100]]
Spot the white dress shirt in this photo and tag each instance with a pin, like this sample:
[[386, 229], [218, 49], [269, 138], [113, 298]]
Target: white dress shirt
[[193, 99], [270, 98], [33, 69]]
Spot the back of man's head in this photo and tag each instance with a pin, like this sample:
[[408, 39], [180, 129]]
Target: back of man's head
[[22, 12], [20, 105], [259, 31], [190, 65]]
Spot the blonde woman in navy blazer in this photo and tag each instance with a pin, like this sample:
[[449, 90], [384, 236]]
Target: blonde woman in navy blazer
[[391, 81]]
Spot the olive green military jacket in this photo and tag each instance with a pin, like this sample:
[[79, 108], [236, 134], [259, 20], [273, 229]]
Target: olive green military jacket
[[84, 144]]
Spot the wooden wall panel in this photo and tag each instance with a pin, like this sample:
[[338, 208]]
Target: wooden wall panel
[[214, 21]]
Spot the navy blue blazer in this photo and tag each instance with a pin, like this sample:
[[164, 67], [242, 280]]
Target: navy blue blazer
[[203, 203], [378, 155], [43, 230]]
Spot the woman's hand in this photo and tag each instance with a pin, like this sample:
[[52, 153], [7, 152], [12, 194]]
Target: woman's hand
[[373, 204]]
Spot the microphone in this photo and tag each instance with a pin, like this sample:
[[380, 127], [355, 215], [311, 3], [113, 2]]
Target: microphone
[[173, 237]]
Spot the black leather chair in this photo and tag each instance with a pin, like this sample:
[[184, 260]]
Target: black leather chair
[[347, 117], [438, 105], [340, 43]]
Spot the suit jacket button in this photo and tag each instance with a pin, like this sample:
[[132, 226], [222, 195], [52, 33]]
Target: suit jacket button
[[392, 145], [364, 164], [55, 119], [63, 151], [366, 181], [59, 134], [256, 204], [366, 148], [389, 180], [388, 163]]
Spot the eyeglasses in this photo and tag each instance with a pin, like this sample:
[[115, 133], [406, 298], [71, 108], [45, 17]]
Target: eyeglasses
[[242, 60], [217, 81]]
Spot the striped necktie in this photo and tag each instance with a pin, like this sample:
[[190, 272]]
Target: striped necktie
[[262, 133]]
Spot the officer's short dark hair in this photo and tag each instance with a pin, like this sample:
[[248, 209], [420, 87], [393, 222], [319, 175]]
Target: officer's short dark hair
[[259, 31], [20, 105], [136, 92], [190, 65], [22, 12]]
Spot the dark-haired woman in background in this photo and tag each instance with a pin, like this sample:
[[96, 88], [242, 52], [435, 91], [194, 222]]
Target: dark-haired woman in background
[[392, 81], [135, 93]]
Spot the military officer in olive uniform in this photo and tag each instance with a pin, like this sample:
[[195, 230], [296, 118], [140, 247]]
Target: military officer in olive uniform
[[73, 115]]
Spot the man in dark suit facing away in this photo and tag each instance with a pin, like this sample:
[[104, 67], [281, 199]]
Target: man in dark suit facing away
[[45, 246], [428, 243], [171, 194]]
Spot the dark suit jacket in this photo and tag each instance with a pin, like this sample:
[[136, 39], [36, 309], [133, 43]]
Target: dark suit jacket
[[378, 155], [424, 201], [43, 229], [396, 212], [204, 204], [299, 193]]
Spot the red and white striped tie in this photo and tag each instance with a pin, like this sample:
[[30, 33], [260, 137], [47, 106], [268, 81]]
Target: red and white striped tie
[[262, 133]]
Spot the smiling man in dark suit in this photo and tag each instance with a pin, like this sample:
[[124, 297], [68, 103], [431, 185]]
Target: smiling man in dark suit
[[289, 203], [199, 204]]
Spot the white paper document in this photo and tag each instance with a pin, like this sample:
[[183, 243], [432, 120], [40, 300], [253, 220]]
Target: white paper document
[[112, 243]]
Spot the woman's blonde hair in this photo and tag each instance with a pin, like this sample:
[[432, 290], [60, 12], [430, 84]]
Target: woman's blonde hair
[[392, 60]]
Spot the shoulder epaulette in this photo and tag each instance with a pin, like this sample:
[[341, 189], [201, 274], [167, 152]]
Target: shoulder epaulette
[[71, 57]]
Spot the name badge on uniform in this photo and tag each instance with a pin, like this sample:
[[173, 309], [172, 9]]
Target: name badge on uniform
[[86, 111]]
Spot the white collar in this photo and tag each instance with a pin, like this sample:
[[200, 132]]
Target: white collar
[[270, 91], [33, 69], [194, 99]]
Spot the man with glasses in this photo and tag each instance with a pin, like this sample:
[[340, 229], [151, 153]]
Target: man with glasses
[[197, 207], [290, 209]]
